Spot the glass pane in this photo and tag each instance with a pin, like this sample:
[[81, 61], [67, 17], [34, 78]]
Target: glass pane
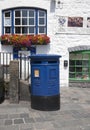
[[85, 69], [31, 21], [41, 21], [72, 62], [72, 56], [7, 21], [17, 14], [71, 75], [31, 13], [85, 63], [24, 21], [7, 14], [72, 69], [31, 30], [42, 30], [24, 30], [79, 76], [7, 29], [79, 62], [18, 30], [85, 56], [78, 69], [24, 13], [85, 76], [78, 57], [17, 21], [41, 13]]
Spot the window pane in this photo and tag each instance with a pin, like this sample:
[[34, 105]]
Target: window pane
[[24, 13], [85, 63], [79, 76], [24, 21], [17, 21], [18, 30], [31, 13], [42, 30], [72, 56], [71, 75], [41, 13], [78, 57], [78, 62], [85, 76], [17, 14], [7, 29], [78, 69], [7, 14], [85, 69], [72, 69], [31, 30], [24, 30], [41, 21], [72, 62], [31, 21], [7, 21], [85, 56]]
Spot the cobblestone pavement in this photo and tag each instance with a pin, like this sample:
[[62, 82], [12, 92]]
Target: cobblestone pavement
[[74, 113]]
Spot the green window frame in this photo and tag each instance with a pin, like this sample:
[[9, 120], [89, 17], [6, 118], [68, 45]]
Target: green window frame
[[79, 66]]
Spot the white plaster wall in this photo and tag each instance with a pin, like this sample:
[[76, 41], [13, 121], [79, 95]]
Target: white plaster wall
[[60, 42]]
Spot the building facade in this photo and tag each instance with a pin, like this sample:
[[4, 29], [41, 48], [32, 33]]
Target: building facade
[[66, 22]]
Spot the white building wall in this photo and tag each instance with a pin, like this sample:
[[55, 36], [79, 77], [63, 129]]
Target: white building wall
[[61, 38]]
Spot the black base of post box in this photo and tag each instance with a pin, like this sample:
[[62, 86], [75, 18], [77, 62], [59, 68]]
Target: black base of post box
[[45, 103]]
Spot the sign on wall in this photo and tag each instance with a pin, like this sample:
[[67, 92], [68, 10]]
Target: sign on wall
[[75, 22], [73, 25], [23, 51]]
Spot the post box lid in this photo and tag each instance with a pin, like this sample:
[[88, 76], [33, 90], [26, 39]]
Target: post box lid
[[46, 56]]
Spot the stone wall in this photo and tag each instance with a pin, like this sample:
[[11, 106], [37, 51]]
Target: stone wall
[[14, 82]]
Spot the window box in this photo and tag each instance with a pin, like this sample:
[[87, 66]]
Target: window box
[[24, 40]]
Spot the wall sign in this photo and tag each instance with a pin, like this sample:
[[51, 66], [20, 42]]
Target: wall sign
[[75, 21], [73, 25], [24, 51]]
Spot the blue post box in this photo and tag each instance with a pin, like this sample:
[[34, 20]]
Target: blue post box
[[45, 87]]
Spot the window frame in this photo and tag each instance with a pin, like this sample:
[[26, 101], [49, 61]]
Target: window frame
[[36, 25], [81, 72]]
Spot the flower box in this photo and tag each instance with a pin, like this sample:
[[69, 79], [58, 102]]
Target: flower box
[[24, 40]]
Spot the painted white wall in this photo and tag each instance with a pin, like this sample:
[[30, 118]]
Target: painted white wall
[[60, 41]]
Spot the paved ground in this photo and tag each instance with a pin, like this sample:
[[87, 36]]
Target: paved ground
[[73, 115]]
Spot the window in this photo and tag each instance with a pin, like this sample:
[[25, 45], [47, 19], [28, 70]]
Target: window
[[79, 66], [25, 21], [7, 22]]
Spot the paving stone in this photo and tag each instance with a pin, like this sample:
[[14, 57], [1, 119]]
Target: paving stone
[[4, 116], [8, 122], [29, 120], [9, 127], [18, 121], [27, 126], [24, 115], [1, 122]]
